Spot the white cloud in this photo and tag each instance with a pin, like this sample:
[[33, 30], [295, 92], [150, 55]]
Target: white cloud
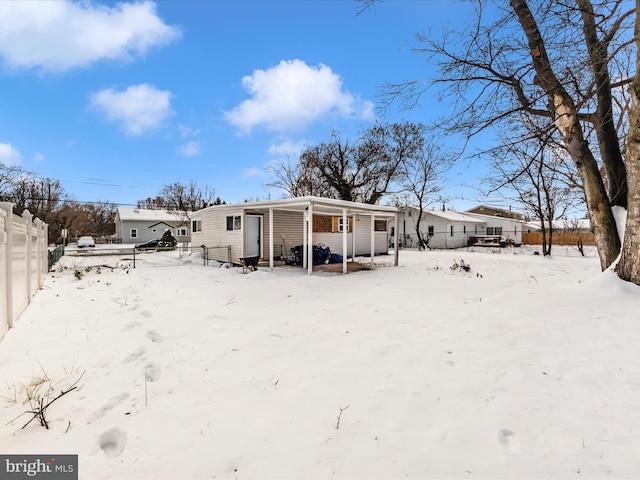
[[189, 149], [188, 132], [140, 107], [292, 95], [288, 148], [9, 155], [59, 35], [38, 157]]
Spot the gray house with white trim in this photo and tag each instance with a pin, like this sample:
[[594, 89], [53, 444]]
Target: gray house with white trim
[[138, 225]]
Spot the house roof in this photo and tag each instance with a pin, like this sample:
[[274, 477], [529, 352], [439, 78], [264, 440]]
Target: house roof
[[452, 216], [319, 205], [488, 218], [496, 212], [449, 215], [144, 215]]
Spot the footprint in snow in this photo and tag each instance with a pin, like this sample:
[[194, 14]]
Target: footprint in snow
[[114, 402], [135, 355], [509, 440], [154, 336], [112, 442], [131, 325], [152, 372]]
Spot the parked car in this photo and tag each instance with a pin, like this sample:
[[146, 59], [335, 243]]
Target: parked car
[[86, 241], [150, 245]]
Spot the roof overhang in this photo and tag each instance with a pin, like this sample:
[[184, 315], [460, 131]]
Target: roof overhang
[[319, 205]]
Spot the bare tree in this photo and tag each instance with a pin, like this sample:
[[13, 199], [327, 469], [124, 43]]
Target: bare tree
[[156, 203], [537, 175], [363, 171], [422, 179], [294, 182], [556, 63], [628, 267], [182, 199]]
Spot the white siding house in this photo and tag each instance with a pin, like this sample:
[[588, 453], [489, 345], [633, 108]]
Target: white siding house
[[270, 229], [138, 225], [443, 229], [509, 228]]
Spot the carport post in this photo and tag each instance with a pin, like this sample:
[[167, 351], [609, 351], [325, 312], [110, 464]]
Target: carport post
[[310, 239], [271, 238], [396, 248], [373, 240], [345, 228]]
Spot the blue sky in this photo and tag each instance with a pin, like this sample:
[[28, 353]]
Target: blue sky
[[118, 99]]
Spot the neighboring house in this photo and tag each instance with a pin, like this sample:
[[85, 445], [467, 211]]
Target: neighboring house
[[137, 225], [443, 229], [270, 229], [497, 212], [508, 227]]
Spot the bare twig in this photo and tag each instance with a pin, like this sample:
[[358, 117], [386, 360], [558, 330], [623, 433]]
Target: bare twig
[[39, 413], [340, 415]]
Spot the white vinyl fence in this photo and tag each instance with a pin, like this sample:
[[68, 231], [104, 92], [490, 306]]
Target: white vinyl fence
[[23, 262]]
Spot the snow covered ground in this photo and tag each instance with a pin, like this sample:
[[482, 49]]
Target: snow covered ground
[[522, 367]]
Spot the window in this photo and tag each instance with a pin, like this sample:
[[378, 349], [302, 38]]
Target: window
[[494, 230], [341, 224], [234, 222], [380, 226], [452, 230], [196, 226], [464, 229], [331, 224], [134, 233], [181, 232], [430, 230]]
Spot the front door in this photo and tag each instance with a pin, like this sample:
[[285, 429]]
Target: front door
[[253, 236]]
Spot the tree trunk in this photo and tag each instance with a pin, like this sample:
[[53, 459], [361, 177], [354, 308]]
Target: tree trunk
[[604, 122], [566, 120], [628, 267]]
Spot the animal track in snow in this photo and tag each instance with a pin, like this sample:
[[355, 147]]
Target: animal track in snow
[[112, 442]]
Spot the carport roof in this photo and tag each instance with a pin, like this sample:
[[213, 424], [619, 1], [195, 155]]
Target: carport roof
[[319, 204]]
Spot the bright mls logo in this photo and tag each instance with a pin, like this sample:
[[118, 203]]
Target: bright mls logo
[[49, 467]]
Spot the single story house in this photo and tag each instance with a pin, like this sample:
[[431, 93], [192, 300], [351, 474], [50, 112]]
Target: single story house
[[138, 225], [508, 227], [497, 212], [443, 229], [271, 229]]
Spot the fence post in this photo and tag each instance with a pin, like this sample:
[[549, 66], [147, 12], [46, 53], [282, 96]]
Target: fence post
[[8, 207], [28, 216], [40, 246]]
